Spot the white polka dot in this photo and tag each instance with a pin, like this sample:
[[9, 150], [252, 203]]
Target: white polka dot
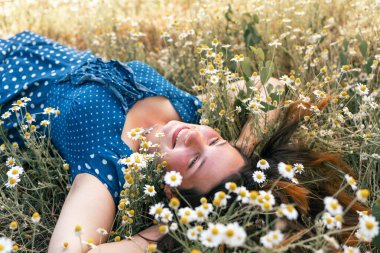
[[6, 87], [106, 186], [110, 177], [116, 194], [92, 155], [87, 166], [97, 171], [79, 167], [104, 161], [39, 94]]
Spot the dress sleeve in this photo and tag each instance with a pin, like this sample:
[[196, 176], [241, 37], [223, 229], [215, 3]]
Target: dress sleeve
[[89, 149]]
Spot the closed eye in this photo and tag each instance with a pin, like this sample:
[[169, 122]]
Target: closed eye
[[214, 141]]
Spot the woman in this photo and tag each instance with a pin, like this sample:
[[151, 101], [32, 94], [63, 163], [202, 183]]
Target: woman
[[99, 103]]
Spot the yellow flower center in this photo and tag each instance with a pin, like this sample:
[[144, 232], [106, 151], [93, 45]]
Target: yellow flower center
[[173, 177], [259, 176], [290, 208], [230, 232], [2, 247], [262, 162], [214, 231], [334, 205], [12, 180], [369, 225], [288, 168]]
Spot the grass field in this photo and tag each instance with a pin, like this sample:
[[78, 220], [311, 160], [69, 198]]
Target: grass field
[[316, 48]]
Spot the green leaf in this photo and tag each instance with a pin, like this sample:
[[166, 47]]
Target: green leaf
[[367, 67], [363, 48], [258, 52], [266, 72], [246, 67], [358, 37], [256, 18], [376, 213], [342, 58], [345, 44]]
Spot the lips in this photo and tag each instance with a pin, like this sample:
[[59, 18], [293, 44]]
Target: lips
[[175, 134]]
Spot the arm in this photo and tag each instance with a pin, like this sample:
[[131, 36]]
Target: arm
[[88, 204], [136, 244]]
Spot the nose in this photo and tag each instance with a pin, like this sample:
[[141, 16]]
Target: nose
[[195, 139]]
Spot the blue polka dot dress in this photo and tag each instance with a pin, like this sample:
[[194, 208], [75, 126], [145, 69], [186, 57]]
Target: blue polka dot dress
[[94, 97]]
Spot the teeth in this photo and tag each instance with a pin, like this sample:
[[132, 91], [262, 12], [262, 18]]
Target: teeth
[[178, 135]]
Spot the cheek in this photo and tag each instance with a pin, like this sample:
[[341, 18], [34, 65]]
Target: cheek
[[176, 162]]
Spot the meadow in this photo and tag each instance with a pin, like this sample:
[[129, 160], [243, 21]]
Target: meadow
[[316, 48]]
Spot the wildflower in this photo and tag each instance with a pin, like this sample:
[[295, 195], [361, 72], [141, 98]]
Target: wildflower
[[263, 164], [151, 247], [363, 195], [145, 145], [15, 171], [272, 239], [5, 245], [231, 186], [149, 190], [173, 178], [213, 236], [238, 58], [101, 231], [66, 166], [368, 226], [156, 209], [187, 212], [166, 216], [173, 226], [12, 182], [332, 206], [48, 110], [351, 181], [10, 162], [78, 230], [65, 245], [135, 133], [220, 198], [259, 176], [90, 243], [174, 203], [285, 80], [361, 89], [214, 79], [45, 123], [192, 233], [13, 225], [6, 115], [349, 249], [243, 194], [25, 99], [345, 68], [164, 229], [36, 217], [328, 220], [289, 211], [15, 108], [286, 170], [275, 43], [234, 235]]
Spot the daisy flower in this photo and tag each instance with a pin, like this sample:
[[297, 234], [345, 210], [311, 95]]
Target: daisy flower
[[156, 210], [351, 181], [173, 178], [45, 123], [231, 186], [166, 216], [361, 89], [349, 249], [262, 164], [368, 226], [10, 162], [49, 110], [259, 176], [220, 199], [214, 79], [101, 231], [363, 195], [272, 239], [174, 203], [12, 182], [298, 168], [243, 194], [149, 190], [135, 133], [6, 115], [90, 243], [332, 206], [213, 236], [15, 171], [36, 217], [19, 103], [5, 245], [289, 211], [286, 170], [328, 220], [234, 235], [192, 233]]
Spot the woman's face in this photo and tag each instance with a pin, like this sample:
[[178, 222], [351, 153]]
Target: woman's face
[[199, 153]]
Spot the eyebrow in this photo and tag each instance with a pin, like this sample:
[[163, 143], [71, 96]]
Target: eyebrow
[[205, 158]]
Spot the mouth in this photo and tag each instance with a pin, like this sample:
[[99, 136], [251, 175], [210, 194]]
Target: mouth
[[176, 134]]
